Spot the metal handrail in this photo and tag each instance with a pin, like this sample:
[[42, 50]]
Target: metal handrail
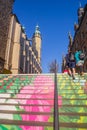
[[56, 111]]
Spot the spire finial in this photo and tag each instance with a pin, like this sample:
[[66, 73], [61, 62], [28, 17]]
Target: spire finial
[[69, 34], [37, 29], [80, 4], [70, 37]]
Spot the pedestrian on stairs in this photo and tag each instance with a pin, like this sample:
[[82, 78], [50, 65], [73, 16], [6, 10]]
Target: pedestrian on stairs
[[79, 56], [70, 62]]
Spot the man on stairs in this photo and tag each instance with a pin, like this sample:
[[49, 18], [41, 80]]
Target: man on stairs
[[70, 63]]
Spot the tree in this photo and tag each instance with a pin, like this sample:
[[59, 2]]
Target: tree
[[53, 67]]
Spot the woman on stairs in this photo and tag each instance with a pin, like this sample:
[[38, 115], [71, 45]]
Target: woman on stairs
[[79, 61]]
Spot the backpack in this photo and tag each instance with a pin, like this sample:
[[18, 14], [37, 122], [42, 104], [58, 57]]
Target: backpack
[[71, 57], [82, 56]]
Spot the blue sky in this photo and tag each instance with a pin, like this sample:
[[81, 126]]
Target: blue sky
[[55, 18]]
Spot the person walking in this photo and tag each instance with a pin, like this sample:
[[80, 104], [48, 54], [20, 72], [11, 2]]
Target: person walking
[[79, 57], [70, 63]]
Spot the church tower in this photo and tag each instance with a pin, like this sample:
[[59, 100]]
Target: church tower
[[36, 43]]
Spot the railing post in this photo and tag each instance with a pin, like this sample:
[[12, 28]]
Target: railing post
[[56, 112]]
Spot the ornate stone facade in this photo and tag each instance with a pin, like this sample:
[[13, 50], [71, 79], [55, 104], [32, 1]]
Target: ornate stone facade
[[18, 54], [79, 41], [80, 37]]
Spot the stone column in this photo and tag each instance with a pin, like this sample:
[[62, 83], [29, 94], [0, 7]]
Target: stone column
[[16, 50], [9, 42]]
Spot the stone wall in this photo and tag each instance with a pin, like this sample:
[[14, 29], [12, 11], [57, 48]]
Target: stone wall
[[5, 15]]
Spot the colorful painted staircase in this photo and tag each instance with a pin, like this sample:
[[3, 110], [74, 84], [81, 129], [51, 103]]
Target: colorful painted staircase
[[73, 113], [27, 102]]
